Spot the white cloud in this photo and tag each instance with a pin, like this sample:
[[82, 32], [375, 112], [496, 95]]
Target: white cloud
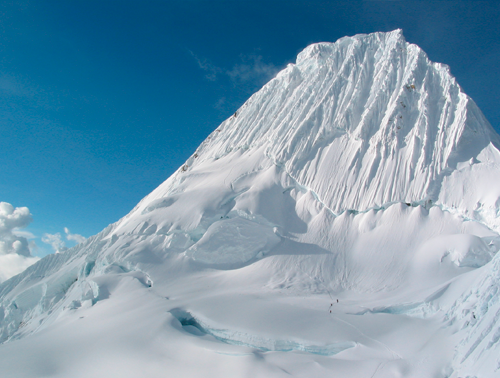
[[251, 68], [10, 219], [15, 249], [25, 234], [55, 240], [246, 75], [211, 70], [74, 237], [15, 254], [12, 264], [220, 104]]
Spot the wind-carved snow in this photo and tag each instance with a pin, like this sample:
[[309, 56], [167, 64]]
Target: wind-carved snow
[[364, 121], [350, 210]]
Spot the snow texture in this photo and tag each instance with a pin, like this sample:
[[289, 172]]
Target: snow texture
[[343, 222]]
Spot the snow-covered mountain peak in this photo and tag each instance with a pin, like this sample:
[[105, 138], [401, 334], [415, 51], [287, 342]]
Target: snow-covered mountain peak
[[362, 122], [325, 51], [346, 218]]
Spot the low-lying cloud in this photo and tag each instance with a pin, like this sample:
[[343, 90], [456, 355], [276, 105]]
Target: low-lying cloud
[[74, 237], [56, 240], [13, 264], [10, 219], [15, 254], [15, 245]]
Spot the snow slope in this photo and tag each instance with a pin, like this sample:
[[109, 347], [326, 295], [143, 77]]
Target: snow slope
[[344, 222]]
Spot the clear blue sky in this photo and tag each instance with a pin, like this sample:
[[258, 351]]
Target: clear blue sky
[[101, 101]]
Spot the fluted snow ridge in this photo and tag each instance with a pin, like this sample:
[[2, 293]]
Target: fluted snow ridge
[[363, 121]]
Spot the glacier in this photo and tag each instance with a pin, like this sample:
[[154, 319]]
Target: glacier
[[343, 222]]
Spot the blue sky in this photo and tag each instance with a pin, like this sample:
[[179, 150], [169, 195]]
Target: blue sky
[[101, 101]]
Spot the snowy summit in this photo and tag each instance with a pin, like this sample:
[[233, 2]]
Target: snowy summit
[[344, 222]]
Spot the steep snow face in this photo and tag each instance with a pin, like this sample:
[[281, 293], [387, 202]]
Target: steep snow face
[[365, 121], [337, 221]]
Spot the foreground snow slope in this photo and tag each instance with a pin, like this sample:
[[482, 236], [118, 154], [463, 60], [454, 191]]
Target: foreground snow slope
[[344, 222]]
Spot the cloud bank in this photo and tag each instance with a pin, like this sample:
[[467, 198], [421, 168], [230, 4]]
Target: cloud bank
[[15, 254]]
